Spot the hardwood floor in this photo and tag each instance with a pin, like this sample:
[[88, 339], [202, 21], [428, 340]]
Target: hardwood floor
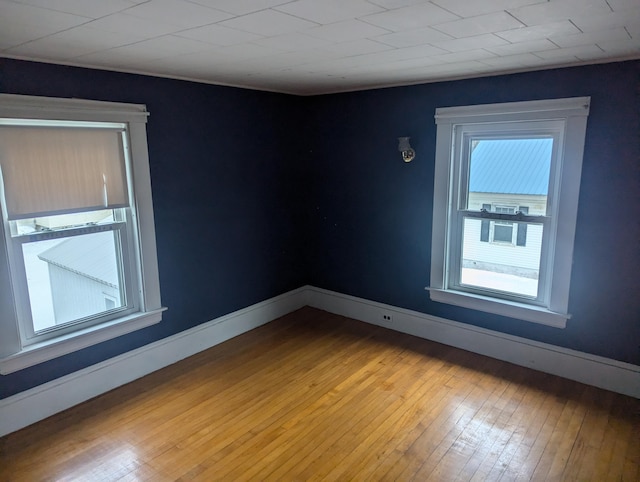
[[314, 396]]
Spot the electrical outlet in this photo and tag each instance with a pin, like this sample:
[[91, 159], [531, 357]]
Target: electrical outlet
[[387, 317]]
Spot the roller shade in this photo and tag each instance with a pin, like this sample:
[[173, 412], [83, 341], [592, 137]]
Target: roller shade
[[60, 170]]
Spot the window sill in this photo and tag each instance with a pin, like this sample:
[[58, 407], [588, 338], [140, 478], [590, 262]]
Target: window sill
[[63, 345], [511, 309]]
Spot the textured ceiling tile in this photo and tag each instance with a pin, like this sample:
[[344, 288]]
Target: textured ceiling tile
[[464, 56], [570, 53], [357, 47], [613, 35], [539, 31], [176, 12], [46, 50], [246, 51], [142, 55], [470, 43], [413, 37], [513, 62], [456, 68], [622, 18], [471, 8], [634, 30], [121, 22], [622, 4], [329, 11], [284, 62], [268, 22], [419, 51], [409, 18], [391, 4], [204, 61], [240, 7], [557, 10], [167, 45], [218, 35], [332, 65], [292, 41], [36, 21], [397, 65], [86, 8], [522, 47], [119, 57], [347, 30], [622, 48], [72, 43], [468, 27]]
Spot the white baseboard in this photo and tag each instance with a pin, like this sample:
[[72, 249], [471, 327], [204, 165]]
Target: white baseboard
[[30, 406], [590, 369]]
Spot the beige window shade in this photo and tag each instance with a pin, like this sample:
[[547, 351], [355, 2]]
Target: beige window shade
[[58, 170]]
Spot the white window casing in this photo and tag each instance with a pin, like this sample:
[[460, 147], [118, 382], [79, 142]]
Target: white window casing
[[19, 346], [564, 120]]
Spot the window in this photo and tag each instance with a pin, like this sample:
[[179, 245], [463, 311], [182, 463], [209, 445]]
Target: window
[[503, 231], [77, 226], [505, 201]]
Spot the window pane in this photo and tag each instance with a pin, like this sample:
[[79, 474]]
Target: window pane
[[509, 172], [503, 232], [501, 267], [70, 278]]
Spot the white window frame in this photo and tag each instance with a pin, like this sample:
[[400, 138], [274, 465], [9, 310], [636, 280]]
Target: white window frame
[[16, 350], [567, 118]]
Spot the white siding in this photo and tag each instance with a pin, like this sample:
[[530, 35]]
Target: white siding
[[76, 296], [523, 257]]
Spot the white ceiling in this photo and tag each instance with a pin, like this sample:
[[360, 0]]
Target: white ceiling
[[320, 46]]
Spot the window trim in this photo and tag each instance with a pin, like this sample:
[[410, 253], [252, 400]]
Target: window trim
[[572, 112], [14, 353]]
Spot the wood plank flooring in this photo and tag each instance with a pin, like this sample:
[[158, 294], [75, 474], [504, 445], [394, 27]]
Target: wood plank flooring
[[315, 396]]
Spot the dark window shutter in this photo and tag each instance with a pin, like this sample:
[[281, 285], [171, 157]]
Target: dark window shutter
[[484, 227], [521, 239]]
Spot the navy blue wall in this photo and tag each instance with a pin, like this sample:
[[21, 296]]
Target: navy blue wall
[[225, 192], [370, 213], [257, 193]]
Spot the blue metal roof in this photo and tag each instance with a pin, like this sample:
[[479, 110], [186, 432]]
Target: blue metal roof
[[512, 166]]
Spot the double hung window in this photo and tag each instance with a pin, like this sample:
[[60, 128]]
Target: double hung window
[[506, 192], [78, 232]]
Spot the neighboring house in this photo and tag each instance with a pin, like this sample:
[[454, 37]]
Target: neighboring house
[[84, 276], [496, 184]]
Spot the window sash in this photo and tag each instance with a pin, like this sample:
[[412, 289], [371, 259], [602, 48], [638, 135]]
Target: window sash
[[455, 258], [126, 260], [463, 136]]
